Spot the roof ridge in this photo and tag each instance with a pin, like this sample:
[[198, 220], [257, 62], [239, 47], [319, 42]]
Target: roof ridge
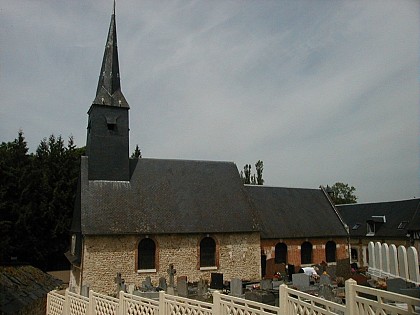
[[377, 202]]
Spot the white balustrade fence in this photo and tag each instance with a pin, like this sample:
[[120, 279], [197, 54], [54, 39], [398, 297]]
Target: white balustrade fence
[[359, 300], [392, 262]]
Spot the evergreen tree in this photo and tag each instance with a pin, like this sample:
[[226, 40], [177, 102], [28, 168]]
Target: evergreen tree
[[137, 153], [15, 168], [37, 193]]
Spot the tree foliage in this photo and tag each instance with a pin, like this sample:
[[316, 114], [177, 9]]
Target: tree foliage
[[137, 153], [253, 179], [37, 194], [341, 193]]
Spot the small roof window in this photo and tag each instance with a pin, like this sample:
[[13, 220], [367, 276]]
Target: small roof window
[[356, 226], [370, 228], [402, 225], [379, 218]]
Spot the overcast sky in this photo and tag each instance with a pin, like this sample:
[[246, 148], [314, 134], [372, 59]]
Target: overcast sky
[[321, 91]]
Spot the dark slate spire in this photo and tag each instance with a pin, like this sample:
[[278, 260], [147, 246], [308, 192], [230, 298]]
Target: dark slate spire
[[109, 87]]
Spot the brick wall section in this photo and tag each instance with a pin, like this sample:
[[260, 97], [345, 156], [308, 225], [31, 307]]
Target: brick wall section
[[105, 256], [293, 249]]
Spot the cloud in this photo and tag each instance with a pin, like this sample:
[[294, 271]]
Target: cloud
[[320, 91]]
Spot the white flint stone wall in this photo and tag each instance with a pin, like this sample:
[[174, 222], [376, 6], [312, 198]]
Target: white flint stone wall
[[105, 256]]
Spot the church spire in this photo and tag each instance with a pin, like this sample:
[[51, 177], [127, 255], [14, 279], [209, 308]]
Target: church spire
[[109, 86]]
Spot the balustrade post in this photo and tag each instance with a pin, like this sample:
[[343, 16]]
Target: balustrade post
[[66, 306], [91, 307], [162, 304], [121, 310], [48, 303], [351, 306], [216, 303], [282, 299]]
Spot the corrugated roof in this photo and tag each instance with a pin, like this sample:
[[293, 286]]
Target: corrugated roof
[[168, 196], [397, 214], [295, 212]]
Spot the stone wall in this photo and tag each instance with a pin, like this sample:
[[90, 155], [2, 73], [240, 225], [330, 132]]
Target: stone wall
[[105, 256]]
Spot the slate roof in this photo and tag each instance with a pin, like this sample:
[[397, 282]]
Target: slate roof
[[108, 92], [395, 213], [295, 213], [167, 196], [20, 286]]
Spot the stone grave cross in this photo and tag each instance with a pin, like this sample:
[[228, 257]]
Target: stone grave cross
[[171, 272], [120, 283]]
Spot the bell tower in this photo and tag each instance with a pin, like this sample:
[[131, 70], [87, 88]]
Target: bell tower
[[107, 142]]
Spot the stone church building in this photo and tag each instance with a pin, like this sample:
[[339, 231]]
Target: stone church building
[[138, 216]]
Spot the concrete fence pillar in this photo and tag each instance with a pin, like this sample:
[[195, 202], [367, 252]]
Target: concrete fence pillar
[[121, 304], [216, 303], [162, 304], [282, 300], [91, 307], [351, 306], [66, 306]]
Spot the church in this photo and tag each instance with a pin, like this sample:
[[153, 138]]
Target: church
[[136, 216]]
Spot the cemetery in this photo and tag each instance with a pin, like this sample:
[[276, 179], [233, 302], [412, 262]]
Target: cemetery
[[388, 286]]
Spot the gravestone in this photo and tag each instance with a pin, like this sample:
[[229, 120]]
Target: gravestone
[[326, 292], [325, 279], [393, 260], [170, 290], [402, 262], [359, 278], [300, 281], [385, 259], [216, 281], [396, 285], [290, 271], [413, 265], [331, 271], [343, 269], [120, 283], [322, 266], [171, 272], [85, 291], [276, 284], [130, 288], [236, 287], [149, 295], [162, 283], [265, 284], [261, 296], [201, 287], [283, 269], [147, 284], [182, 286]]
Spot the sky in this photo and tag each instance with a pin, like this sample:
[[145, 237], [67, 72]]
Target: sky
[[321, 91]]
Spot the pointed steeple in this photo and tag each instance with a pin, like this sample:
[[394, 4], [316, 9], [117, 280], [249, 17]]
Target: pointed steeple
[[107, 142], [109, 86]]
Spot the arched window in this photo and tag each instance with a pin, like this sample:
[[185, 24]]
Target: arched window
[[354, 254], [306, 253], [330, 251], [280, 254], [146, 254], [207, 252]]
